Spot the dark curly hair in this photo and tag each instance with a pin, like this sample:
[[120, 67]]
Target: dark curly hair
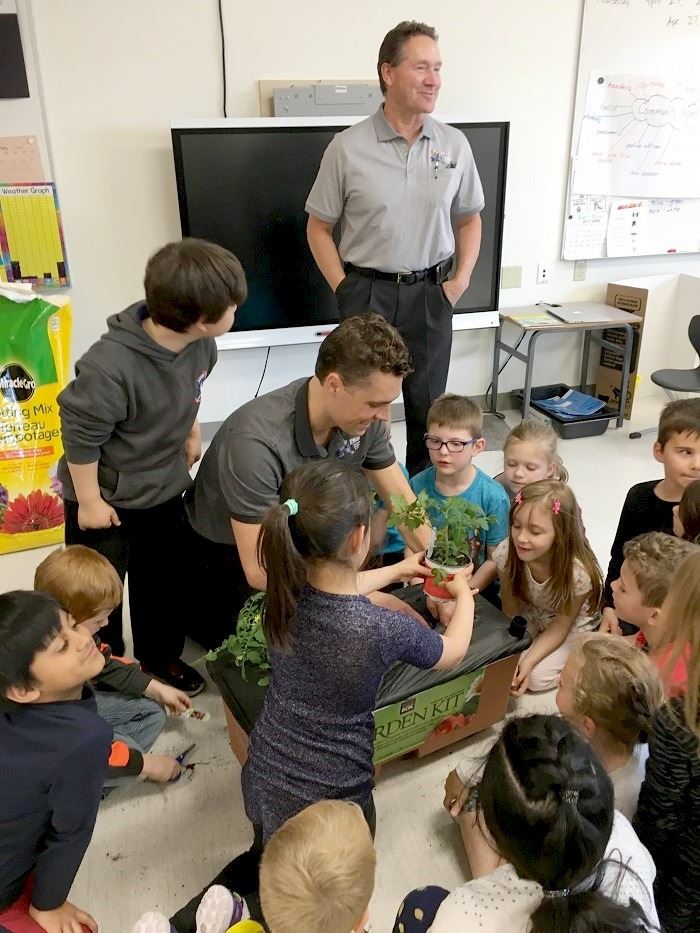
[[360, 346]]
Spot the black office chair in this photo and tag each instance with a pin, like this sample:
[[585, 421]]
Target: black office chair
[[678, 380]]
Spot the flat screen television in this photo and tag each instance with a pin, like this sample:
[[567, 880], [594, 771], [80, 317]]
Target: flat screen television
[[243, 183]]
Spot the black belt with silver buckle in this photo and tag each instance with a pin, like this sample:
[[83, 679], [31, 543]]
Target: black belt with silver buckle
[[438, 273]]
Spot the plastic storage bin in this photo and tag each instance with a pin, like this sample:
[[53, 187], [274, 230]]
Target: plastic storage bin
[[568, 429]]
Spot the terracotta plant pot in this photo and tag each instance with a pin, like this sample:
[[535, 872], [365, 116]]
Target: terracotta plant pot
[[431, 588]]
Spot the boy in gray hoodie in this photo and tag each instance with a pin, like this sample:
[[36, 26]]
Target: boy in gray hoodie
[[131, 435]]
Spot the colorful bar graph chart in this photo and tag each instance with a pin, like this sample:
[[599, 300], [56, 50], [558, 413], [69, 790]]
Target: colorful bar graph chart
[[31, 236]]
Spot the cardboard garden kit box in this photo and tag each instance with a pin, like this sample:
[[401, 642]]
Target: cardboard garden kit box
[[609, 378], [417, 711]]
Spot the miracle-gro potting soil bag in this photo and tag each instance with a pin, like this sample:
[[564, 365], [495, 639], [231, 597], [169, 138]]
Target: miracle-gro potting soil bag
[[34, 357]]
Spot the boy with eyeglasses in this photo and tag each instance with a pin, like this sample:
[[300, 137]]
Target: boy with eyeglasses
[[454, 438]]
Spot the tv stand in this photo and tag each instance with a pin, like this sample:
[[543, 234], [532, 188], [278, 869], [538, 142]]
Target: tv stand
[[292, 336]]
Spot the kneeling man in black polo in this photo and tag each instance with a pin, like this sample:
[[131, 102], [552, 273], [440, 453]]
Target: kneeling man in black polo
[[341, 411]]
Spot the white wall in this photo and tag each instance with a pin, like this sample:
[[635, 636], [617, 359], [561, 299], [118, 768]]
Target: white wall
[[115, 75]]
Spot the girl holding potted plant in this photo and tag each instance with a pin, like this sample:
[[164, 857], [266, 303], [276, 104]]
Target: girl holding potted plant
[[329, 647], [550, 576]]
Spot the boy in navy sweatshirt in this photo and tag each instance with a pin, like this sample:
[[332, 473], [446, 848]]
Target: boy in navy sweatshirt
[[130, 435], [54, 750]]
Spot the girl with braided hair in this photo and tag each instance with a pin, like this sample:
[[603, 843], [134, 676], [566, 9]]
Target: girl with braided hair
[[547, 849], [609, 691]]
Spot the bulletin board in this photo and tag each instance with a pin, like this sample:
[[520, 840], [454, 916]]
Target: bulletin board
[[634, 188]]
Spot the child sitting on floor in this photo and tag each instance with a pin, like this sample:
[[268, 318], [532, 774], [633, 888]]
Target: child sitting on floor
[[550, 576], [87, 586], [454, 437], [316, 876], [650, 563], [530, 455], [54, 759], [548, 852], [668, 815], [317, 872], [649, 505], [686, 515], [609, 692]]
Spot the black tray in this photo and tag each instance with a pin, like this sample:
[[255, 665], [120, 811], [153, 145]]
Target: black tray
[[568, 428]]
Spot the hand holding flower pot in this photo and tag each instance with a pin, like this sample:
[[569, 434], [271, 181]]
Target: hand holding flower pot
[[454, 521]]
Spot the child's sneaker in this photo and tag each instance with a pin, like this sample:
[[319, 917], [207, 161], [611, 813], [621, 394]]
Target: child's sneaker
[[219, 910], [152, 922]]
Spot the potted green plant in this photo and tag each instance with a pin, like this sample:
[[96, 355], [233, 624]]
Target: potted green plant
[[454, 522]]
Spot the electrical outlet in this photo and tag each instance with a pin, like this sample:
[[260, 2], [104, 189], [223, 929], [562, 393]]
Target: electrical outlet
[[543, 273], [580, 270]]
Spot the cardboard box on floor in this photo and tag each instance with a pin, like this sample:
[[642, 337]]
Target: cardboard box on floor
[[430, 720], [609, 377]]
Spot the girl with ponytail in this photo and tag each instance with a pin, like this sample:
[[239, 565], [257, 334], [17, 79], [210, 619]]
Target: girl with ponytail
[[330, 646], [548, 851]]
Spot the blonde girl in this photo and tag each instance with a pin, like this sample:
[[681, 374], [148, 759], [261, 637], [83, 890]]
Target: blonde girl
[[550, 576], [668, 815], [529, 455], [609, 691]]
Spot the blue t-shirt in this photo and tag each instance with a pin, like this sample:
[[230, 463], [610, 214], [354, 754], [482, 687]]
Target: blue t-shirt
[[483, 491]]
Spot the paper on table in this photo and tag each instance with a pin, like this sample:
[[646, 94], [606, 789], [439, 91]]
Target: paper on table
[[20, 160], [531, 318]]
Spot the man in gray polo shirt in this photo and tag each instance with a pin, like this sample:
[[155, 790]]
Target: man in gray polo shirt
[[340, 412], [408, 196]]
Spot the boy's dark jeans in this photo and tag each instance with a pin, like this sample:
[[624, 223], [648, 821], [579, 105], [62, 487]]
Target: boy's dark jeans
[[149, 545]]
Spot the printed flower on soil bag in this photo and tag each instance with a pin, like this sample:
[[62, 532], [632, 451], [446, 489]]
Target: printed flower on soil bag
[[4, 500], [35, 512]]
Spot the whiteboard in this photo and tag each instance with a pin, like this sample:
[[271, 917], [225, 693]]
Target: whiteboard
[[636, 57]]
